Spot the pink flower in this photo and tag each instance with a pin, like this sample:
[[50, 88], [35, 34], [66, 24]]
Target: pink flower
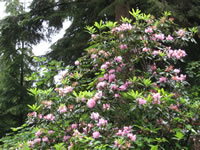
[[145, 49], [102, 122], [169, 38], [90, 125], [182, 77], [77, 63], [101, 85], [142, 101], [174, 107], [95, 134], [148, 30], [131, 136], [50, 132], [94, 116], [122, 87], [49, 117], [104, 66], [74, 126], [176, 71], [111, 71], [114, 87], [100, 79], [70, 146], [93, 36], [37, 140], [65, 138], [156, 52], [93, 56], [98, 95], [40, 116], [156, 98], [118, 59], [117, 95], [106, 76], [31, 143], [119, 69], [106, 106], [160, 36], [38, 133], [181, 32], [111, 78], [123, 46], [163, 79], [45, 139], [91, 103], [62, 109], [67, 89]]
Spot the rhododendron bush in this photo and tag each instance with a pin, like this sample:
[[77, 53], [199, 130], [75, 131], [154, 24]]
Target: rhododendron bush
[[127, 92]]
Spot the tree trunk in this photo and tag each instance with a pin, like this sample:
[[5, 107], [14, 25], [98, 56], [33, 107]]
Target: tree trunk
[[121, 10]]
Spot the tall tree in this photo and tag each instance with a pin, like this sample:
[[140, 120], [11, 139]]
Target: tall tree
[[15, 65]]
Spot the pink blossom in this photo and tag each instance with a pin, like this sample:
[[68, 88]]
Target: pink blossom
[[90, 125], [38, 133], [65, 138], [148, 30], [67, 89], [174, 107], [77, 63], [160, 36], [70, 146], [45, 139], [101, 85], [118, 59], [98, 95], [106, 76], [104, 66], [91, 103], [117, 95], [102, 122], [50, 132], [181, 32], [182, 77], [119, 69], [122, 87], [114, 87], [123, 46], [100, 79], [145, 49], [40, 116], [74, 126], [50, 117], [117, 144], [106, 106], [156, 98], [95, 134], [111, 78], [142, 101], [93, 36], [94, 116], [121, 36], [62, 109], [163, 79], [111, 71], [131, 136], [176, 71], [169, 38], [31, 143], [37, 140], [156, 52], [153, 67], [93, 56]]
